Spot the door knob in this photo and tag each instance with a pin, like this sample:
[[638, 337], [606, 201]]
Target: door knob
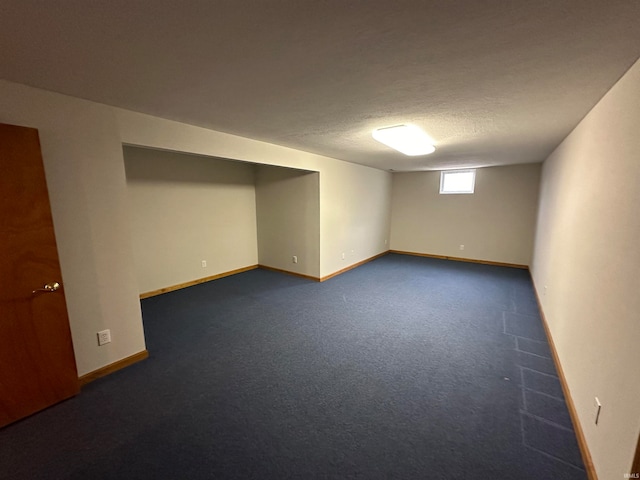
[[48, 288]]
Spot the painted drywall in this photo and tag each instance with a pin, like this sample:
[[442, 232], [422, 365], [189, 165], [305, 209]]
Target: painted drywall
[[354, 200], [355, 212], [495, 223], [288, 219], [185, 209], [586, 255], [85, 174], [84, 163]]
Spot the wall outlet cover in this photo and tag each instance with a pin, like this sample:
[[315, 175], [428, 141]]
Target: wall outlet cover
[[104, 337]]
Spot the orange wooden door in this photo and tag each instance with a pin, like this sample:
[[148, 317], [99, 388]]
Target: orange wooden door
[[37, 365]]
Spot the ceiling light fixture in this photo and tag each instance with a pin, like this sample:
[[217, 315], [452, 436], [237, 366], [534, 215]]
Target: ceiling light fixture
[[407, 139]]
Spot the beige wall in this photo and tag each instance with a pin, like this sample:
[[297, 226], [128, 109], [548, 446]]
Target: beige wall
[[83, 162], [354, 200], [496, 223], [83, 156], [355, 213], [288, 219], [185, 209], [587, 256]]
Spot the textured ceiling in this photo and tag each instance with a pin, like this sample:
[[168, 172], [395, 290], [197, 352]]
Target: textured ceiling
[[492, 82]]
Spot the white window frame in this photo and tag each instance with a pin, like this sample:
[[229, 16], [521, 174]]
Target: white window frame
[[444, 173]]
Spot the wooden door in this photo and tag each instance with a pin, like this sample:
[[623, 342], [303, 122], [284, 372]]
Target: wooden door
[[37, 365]]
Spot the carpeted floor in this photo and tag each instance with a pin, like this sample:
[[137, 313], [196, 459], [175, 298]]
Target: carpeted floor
[[404, 368]]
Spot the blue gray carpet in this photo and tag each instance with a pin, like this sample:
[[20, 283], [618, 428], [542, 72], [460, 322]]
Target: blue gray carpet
[[404, 368]]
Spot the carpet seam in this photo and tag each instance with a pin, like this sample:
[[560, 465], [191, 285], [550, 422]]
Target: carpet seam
[[548, 422], [554, 457]]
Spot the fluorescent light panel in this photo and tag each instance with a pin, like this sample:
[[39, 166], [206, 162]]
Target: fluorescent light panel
[[407, 139]]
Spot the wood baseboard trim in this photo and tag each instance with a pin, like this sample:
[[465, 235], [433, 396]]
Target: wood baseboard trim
[[635, 467], [288, 272], [112, 367], [577, 427], [179, 286], [351, 267], [461, 259]]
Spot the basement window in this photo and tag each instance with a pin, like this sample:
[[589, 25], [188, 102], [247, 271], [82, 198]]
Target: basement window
[[457, 181]]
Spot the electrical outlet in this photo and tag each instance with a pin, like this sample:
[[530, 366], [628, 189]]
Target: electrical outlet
[[545, 290], [294, 259], [461, 247], [598, 405], [343, 255], [204, 264], [104, 337], [385, 241]]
